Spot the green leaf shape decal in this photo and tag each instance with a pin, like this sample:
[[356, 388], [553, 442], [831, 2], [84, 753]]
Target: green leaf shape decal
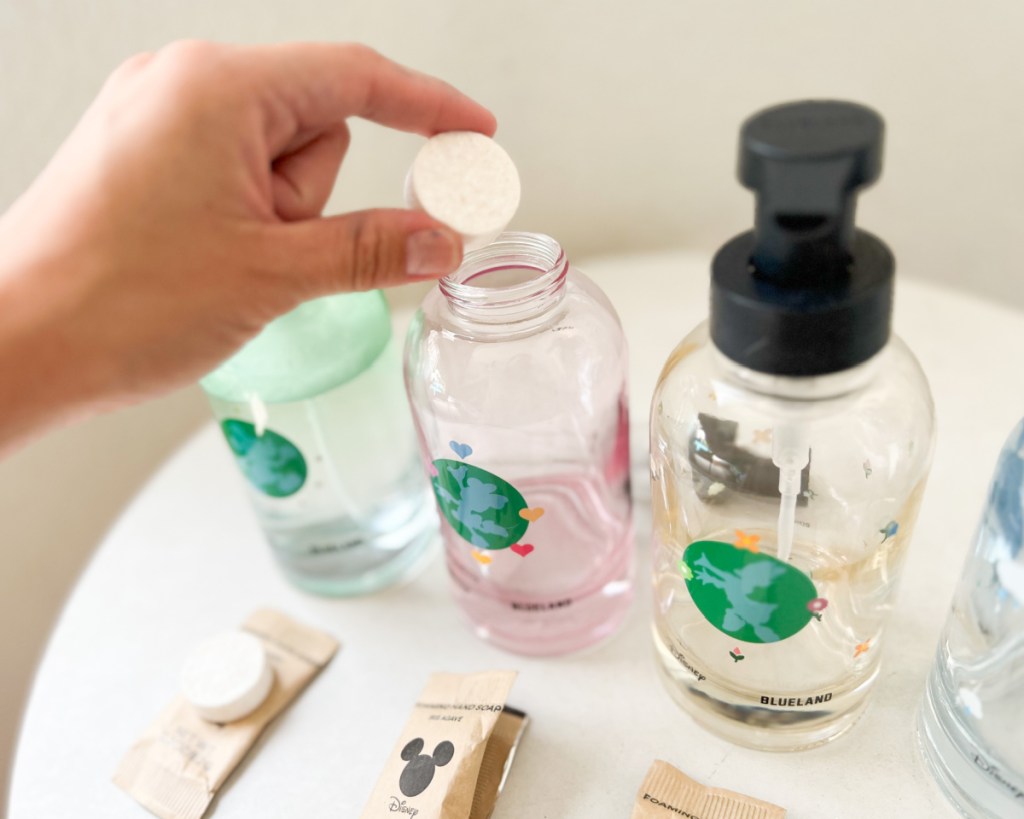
[[271, 462], [753, 597], [480, 506]]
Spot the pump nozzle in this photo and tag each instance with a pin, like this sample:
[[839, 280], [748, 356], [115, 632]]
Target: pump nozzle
[[805, 292], [805, 163]]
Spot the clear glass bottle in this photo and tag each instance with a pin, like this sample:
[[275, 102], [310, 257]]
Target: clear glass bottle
[[972, 719], [516, 372], [791, 437], [313, 411]]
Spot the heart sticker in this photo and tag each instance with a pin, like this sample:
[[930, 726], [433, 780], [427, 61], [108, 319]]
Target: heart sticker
[[462, 450], [483, 558], [531, 514], [521, 549]]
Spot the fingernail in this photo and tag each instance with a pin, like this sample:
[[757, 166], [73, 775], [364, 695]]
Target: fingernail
[[431, 252]]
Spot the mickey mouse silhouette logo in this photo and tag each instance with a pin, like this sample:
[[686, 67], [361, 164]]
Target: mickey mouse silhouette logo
[[419, 772]]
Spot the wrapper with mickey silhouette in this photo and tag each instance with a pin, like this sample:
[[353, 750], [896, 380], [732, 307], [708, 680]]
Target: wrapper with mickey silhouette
[[437, 768]]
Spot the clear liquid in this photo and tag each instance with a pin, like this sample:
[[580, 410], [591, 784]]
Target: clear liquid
[[793, 693], [971, 724], [972, 718], [573, 589], [363, 517]]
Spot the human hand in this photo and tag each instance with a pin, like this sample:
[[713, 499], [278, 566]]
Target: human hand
[[183, 213]]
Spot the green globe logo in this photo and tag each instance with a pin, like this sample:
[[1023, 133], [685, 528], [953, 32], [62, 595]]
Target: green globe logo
[[753, 597], [480, 506], [271, 462]]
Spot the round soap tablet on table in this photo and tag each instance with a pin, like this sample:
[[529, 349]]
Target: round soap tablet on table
[[227, 677], [467, 181]]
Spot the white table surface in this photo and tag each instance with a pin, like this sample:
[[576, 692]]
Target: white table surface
[[186, 559]]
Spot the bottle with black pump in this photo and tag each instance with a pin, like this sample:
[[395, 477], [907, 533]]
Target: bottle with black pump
[[791, 437]]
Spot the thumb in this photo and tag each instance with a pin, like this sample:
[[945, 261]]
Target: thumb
[[368, 249]]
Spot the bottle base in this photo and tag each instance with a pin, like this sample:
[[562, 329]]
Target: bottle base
[[570, 593], [546, 637], [973, 783], [338, 560], [406, 566], [737, 717], [576, 622]]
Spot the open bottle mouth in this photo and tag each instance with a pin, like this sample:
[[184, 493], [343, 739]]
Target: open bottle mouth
[[517, 276]]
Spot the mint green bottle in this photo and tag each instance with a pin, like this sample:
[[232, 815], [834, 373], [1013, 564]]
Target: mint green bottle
[[314, 411]]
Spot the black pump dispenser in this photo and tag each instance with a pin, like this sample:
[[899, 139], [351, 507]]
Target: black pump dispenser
[[806, 292]]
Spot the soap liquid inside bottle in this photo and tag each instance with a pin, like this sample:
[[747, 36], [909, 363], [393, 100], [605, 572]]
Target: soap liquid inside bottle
[[574, 587], [363, 515], [792, 693]]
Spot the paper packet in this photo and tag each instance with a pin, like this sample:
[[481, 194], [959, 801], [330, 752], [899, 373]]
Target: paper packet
[[175, 769], [668, 793], [455, 751]]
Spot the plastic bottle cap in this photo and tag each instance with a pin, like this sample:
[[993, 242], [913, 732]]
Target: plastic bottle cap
[[467, 181], [227, 677]]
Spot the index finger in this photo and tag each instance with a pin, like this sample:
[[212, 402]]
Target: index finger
[[319, 85]]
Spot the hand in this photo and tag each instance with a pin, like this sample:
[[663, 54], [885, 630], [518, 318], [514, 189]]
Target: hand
[[183, 214]]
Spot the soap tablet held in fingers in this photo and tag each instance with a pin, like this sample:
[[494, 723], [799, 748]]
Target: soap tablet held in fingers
[[227, 677], [467, 181]]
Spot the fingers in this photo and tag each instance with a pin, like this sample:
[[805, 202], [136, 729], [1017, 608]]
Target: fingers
[[130, 67], [362, 251], [303, 178], [312, 86]]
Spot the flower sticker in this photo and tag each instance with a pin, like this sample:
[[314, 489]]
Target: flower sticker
[[748, 542], [817, 606]]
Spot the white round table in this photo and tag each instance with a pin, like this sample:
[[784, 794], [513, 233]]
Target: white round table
[[186, 559]]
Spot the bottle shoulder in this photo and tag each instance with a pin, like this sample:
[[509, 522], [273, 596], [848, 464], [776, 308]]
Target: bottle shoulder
[[868, 439], [893, 371], [887, 397], [570, 361], [319, 345]]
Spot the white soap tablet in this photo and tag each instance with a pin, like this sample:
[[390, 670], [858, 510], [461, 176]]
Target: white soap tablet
[[227, 677], [467, 181]]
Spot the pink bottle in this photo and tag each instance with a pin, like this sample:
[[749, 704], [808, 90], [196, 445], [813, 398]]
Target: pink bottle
[[516, 372]]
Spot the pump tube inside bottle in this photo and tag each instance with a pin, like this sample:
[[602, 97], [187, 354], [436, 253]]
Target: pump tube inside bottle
[[790, 453]]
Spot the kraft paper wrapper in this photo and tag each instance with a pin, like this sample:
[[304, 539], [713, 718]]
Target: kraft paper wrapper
[[175, 769], [463, 711], [667, 793], [498, 755]]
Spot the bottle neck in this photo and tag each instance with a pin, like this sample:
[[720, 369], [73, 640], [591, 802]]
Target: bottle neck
[[800, 388], [516, 280]]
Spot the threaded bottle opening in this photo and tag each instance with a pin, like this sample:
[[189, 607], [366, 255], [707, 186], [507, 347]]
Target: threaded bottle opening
[[517, 276]]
